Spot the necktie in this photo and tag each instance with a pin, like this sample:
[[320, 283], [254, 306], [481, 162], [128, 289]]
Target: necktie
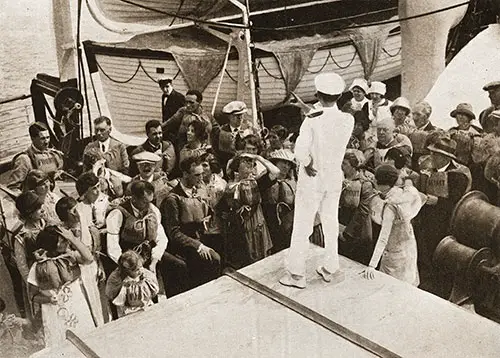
[[94, 214], [103, 148]]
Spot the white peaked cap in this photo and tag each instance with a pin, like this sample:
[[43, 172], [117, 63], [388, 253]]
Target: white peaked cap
[[359, 82], [377, 87], [329, 83]]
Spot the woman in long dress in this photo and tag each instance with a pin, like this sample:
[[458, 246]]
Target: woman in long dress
[[393, 208], [56, 276], [247, 234]]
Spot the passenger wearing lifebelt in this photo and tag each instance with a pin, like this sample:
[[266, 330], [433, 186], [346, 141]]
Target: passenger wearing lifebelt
[[37, 156]]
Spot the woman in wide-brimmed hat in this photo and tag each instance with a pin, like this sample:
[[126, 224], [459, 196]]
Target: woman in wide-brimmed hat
[[278, 201], [465, 132]]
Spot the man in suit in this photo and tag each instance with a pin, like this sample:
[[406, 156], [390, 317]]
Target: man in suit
[[154, 144], [444, 184], [171, 100], [493, 89], [113, 151]]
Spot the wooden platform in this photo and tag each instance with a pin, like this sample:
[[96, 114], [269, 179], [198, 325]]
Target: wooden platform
[[226, 319]]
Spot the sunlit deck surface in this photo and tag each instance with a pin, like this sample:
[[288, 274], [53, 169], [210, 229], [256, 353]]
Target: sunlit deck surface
[[227, 319]]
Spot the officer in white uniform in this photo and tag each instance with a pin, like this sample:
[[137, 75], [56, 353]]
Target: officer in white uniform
[[319, 150]]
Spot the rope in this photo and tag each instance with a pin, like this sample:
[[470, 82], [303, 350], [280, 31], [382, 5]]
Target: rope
[[260, 64], [337, 64], [392, 55], [95, 94], [141, 66], [118, 81], [177, 12], [286, 28], [229, 75]]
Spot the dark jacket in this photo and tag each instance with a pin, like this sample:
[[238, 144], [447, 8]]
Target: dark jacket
[[174, 101]]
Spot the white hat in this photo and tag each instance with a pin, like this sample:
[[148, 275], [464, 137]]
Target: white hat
[[235, 107], [329, 83], [400, 102], [359, 82], [377, 87], [146, 157], [282, 154]]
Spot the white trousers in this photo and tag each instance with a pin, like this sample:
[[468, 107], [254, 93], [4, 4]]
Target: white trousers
[[309, 200]]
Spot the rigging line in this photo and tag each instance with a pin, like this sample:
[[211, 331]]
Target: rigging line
[[95, 94], [391, 55], [366, 24], [118, 81], [78, 57], [229, 75], [85, 92], [337, 64], [260, 64], [181, 4], [195, 20], [146, 72]]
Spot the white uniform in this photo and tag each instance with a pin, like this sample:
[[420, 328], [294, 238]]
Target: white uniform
[[324, 139]]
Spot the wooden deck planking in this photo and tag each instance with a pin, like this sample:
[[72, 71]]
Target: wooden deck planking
[[15, 118], [396, 315], [220, 319], [225, 319]]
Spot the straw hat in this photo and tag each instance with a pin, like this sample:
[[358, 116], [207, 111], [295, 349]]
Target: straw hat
[[463, 108], [282, 154], [491, 85]]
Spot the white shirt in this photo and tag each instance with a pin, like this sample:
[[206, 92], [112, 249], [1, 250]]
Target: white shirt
[[114, 223], [324, 139], [105, 145], [101, 206]]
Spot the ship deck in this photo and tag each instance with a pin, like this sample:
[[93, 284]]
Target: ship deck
[[225, 318]]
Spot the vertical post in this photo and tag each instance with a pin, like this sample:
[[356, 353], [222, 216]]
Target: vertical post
[[244, 51]]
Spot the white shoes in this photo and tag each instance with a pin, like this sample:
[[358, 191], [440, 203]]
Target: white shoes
[[337, 276], [293, 281]]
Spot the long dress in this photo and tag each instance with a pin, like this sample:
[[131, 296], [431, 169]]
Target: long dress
[[396, 248], [61, 275], [247, 235]]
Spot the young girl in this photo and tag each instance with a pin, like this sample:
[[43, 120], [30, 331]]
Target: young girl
[[247, 234], [393, 209], [56, 275], [131, 287]]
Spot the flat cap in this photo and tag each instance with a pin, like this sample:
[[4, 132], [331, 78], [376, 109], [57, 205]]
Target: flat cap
[[235, 107], [146, 157], [329, 83], [491, 85]]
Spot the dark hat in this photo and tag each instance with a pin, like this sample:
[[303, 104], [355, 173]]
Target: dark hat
[[491, 85], [463, 108], [164, 79], [444, 145], [28, 202], [386, 174]]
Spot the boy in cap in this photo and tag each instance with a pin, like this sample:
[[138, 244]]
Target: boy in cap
[[319, 150]]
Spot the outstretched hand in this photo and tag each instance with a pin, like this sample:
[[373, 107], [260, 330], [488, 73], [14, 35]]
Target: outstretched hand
[[368, 273]]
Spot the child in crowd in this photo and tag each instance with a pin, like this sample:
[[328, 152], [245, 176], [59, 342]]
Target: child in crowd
[[131, 287]]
